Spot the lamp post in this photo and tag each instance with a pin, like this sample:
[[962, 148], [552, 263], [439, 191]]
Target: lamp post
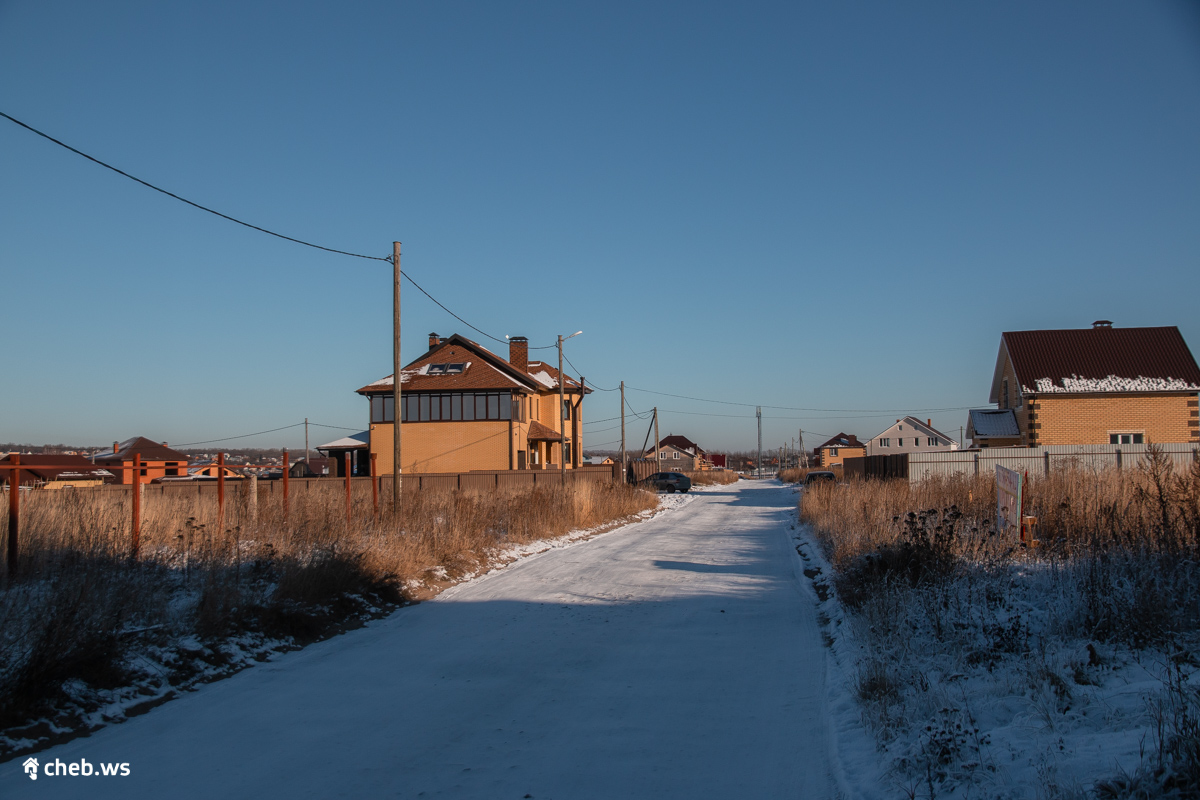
[[562, 410]]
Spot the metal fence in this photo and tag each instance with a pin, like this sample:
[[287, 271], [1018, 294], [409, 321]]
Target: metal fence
[[1042, 460]]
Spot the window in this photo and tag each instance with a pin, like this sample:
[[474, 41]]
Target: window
[[1126, 438], [885, 442], [566, 409], [662, 455], [900, 442], [899, 427], [445, 369], [833, 451], [381, 408], [675, 455], [932, 442]]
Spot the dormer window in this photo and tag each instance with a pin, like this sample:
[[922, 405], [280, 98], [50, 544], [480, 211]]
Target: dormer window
[[446, 369]]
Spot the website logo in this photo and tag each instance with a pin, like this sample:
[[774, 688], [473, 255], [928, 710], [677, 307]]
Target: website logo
[[31, 766]]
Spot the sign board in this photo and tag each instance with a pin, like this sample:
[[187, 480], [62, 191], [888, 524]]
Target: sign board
[[1008, 500]]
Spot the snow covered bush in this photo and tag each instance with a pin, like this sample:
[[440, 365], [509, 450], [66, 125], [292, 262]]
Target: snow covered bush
[[989, 669]]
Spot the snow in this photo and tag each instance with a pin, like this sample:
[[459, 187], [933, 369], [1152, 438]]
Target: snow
[[1112, 383], [544, 378], [1049, 722], [355, 440], [675, 657]]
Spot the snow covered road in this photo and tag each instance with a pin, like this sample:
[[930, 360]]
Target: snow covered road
[[674, 658]]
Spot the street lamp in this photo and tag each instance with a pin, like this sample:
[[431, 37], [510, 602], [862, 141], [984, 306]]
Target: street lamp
[[562, 410]]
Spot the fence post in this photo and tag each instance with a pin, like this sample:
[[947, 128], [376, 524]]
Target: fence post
[[285, 487], [14, 515], [977, 463], [136, 493], [346, 469], [1047, 455], [253, 500], [1118, 458], [220, 491]]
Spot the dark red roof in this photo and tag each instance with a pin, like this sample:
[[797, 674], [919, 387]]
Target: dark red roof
[[147, 449], [542, 433], [843, 440], [682, 442], [1158, 354]]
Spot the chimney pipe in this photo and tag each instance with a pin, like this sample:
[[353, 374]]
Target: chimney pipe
[[929, 423], [1102, 323], [114, 447], [518, 353], [434, 341]]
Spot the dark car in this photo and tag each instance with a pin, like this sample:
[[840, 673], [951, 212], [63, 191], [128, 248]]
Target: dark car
[[668, 482], [819, 477]]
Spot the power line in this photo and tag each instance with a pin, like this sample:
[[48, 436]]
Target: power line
[[797, 408], [149, 185], [243, 436]]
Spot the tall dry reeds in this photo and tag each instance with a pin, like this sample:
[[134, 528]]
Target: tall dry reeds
[[79, 600]]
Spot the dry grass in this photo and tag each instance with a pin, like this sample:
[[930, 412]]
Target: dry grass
[[79, 600], [793, 475], [712, 477]]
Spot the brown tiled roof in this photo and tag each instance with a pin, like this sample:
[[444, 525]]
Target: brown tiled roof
[[843, 440], [140, 445], [1138, 359], [682, 442], [487, 371], [541, 433], [78, 468]]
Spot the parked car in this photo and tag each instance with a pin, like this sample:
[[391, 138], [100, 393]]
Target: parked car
[[668, 482], [819, 477]]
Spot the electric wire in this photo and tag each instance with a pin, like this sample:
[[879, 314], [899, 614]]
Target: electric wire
[[242, 436]]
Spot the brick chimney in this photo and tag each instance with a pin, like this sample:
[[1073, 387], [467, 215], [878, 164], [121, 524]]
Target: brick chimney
[[518, 353], [434, 341], [115, 446], [929, 423]]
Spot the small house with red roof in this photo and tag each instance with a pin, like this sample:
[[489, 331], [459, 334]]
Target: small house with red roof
[[465, 408], [1098, 385], [67, 472], [158, 460]]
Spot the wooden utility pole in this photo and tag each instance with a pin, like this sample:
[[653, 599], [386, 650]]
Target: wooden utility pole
[[577, 424], [396, 415], [657, 455], [624, 466], [562, 412], [306, 440], [758, 467]]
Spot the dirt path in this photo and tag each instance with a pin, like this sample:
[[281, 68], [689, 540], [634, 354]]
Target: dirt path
[[678, 657]]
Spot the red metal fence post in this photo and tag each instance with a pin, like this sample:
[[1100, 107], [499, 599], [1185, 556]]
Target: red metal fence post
[[285, 487], [136, 523], [14, 515], [220, 491], [346, 465]]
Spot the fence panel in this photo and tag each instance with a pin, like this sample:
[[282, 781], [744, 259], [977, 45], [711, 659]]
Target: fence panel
[[1043, 459]]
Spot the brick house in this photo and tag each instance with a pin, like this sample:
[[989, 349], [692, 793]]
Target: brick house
[[842, 446], [679, 454], [465, 408], [1098, 385], [158, 460], [910, 435], [68, 472]]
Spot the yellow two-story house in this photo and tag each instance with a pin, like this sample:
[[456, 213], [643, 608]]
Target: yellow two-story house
[[465, 408]]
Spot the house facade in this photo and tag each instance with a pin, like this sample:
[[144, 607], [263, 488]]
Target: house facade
[[158, 460], [910, 435], [68, 472], [465, 408], [677, 453], [1098, 385], [842, 446]]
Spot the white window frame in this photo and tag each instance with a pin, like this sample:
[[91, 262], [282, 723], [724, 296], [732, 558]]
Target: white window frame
[[1130, 434]]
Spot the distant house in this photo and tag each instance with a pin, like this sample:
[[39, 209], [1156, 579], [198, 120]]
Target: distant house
[[315, 467], [842, 446], [158, 460], [598, 461], [210, 469], [465, 408], [71, 471], [357, 446], [1098, 385], [910, 435], [679, 454]]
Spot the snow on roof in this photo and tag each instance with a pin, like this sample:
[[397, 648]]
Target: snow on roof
[[1112, 383], [544, 378], [994, 422], [405, 377], [353, 441]]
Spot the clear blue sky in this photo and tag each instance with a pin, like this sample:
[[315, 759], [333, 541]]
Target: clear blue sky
[[817, 205]]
